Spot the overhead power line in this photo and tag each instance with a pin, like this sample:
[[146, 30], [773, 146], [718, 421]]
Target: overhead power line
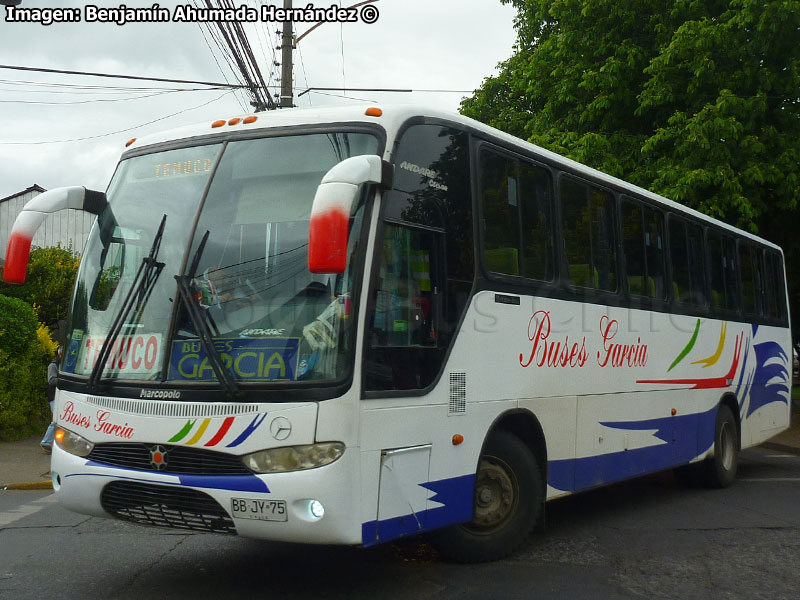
[[92, 137], [232, 42], [94, 100], [399, 90], [118, 76], [73, 89]]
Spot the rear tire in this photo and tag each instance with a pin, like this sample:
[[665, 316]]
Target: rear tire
[[507, 503], [720, 469]]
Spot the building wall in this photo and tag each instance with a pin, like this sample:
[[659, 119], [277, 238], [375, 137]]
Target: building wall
[[67, 227]]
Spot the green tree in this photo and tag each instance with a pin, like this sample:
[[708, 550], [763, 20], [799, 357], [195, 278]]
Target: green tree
[[48, 287], [698, 100], [25, 350]]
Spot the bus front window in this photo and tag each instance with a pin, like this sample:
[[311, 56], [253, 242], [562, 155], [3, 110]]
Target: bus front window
[[146, 190], [270, 318], [265, 317]]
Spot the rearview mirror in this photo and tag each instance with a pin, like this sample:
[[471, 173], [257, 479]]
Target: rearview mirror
[[330, 212], [33, 215]]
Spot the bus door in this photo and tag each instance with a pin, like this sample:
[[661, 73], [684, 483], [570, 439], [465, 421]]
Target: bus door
[[404, 341]]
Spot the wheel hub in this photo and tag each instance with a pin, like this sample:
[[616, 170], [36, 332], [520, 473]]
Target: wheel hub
[[494, 496]]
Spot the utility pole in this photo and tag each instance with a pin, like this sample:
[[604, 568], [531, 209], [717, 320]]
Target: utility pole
[[286, 60]]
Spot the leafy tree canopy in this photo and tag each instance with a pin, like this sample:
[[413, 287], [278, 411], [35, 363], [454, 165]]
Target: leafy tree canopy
[[698, 100], [48, 288]]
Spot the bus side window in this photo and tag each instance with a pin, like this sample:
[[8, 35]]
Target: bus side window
[[752, 279], [681, 279], [588, 229], [632, 241], [537, 222], [724, 286], [500, 200], [697, 269], [688, 263], [517, 209], [655, 253], [774, 295], [405, 304], [731, 274], [425, 266]]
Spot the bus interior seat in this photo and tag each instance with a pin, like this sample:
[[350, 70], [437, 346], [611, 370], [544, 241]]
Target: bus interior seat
[[716, 299], [579, 274], [635, 286], [503, 260]]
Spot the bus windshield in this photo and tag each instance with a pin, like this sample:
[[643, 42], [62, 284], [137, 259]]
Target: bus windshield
[[235, 236]]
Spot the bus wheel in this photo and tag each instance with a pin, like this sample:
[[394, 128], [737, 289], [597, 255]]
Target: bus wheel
[[506, 505], [721, 468]]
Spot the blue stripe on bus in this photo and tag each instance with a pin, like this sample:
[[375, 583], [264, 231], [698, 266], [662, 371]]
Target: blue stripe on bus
[[456, 495], [234, 483], [686, 437], [771, 381]]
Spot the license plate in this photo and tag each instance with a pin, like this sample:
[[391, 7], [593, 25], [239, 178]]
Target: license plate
[[259, 509]]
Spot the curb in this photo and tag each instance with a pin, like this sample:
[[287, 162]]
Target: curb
[[37, 485]]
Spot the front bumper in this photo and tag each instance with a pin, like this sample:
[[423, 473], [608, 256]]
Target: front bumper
[[80, 484]]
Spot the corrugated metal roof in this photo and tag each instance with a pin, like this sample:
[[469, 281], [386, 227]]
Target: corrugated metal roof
[[34, 188]]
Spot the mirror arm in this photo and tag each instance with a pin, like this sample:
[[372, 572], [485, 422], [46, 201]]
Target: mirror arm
[[33, 215]]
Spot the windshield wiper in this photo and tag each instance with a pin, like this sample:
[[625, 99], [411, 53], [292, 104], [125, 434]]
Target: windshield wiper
[[201, 326], [138, 294]]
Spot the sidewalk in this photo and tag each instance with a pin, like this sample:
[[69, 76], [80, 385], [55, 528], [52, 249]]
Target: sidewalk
[[23, 465]]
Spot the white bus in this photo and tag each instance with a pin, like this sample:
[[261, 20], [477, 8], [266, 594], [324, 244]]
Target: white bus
[[348, 325]]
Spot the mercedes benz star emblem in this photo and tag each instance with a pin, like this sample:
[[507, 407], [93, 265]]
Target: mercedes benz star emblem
[[280, 428]]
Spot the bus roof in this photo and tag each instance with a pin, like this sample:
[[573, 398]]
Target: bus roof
[[392, 117]]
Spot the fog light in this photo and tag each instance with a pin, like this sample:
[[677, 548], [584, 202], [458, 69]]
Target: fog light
[[316, 509]]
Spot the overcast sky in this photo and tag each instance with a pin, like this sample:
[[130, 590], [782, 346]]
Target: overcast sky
[[417, 44]]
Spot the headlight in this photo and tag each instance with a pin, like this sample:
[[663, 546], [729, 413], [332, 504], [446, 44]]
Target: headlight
[[293, 458], [72, 442]]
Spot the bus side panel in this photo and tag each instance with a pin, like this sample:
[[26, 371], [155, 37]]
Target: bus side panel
[[618, 393], [415, 478], [764, 385], [647, 384]]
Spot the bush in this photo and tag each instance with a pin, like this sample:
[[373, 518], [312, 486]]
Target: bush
[[25, 351], [48, 287], [18, 324]]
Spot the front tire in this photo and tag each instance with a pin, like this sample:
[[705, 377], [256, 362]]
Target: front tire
[[721, 468], [506, 506]]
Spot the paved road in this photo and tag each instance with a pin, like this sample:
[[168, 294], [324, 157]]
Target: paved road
[[649, 538]]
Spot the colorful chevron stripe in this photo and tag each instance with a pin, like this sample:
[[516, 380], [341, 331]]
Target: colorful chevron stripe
[[687, 349], [199, 431], [183, 432], [248, 431], [712, 360], [708, 382], [226, 425]]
